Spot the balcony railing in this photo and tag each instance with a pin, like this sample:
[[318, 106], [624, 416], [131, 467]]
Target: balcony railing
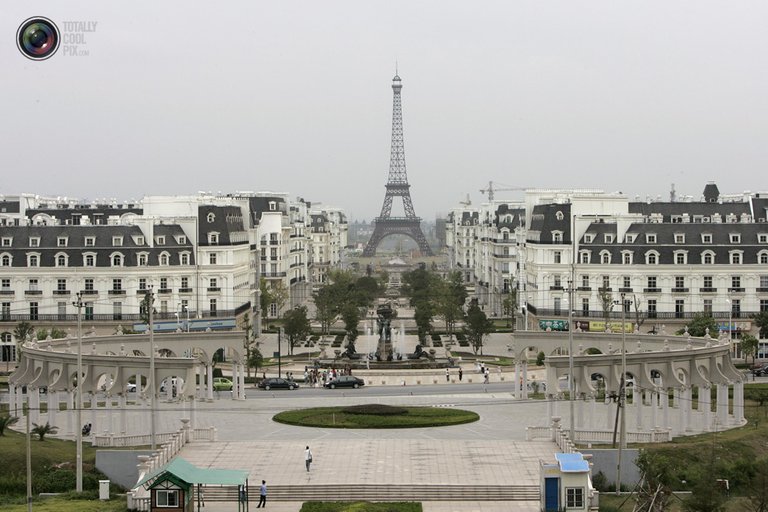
[[185, 290], [7, 292], [625, 290], [707, 289], [110, 317], [735, 290], [61, 292], [679, 290], [273, 274], [33, 292], [214, 288], [652, 290], [89, 292], [116, 292], [164, 290]]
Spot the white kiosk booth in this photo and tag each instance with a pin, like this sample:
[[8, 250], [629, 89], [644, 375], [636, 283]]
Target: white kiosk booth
[[567, 484]]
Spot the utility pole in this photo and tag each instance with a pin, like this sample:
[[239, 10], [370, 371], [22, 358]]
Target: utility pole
[[79, 395], [149, 299], [279, 351]]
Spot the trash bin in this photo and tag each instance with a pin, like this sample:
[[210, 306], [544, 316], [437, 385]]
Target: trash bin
[[103, 489]]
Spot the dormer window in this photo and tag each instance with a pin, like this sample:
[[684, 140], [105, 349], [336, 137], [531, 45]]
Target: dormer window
[[213, 238], [117, 260], [117, 241], [608, 238], [626, 257], [762, 238], [629, 238], [142, 259], [61, 241], [588, 238], [33, 260], [184, 258], [557, 237], [161, 240], [559, 215], [651, 258], [585, 256], [89, 259], [272, 206], [7, 241], [681, 257], [139, 240], [61, 260], [735, 238], [706, 238], [736, 257], [650, 238], [34, 241], [164, 259], [679, 238], [605, 257], [182, 240], [90, 241], [211, 217]]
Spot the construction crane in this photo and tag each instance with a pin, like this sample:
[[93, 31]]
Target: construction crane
[[490, 190]]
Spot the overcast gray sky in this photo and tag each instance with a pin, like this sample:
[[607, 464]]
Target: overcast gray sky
[[295, 96]]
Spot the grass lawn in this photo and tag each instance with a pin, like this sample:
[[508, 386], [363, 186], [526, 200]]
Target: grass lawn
[[360, 506], [409, 417], [44, 453], [56, 504]]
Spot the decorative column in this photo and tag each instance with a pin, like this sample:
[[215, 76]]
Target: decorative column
[[192, 413], [71, 412], [609, 413], [33, 402], [722, 403], [12, 400], [235, 382], [665, 408], [108, 411], [121, 400], [705, 406], [738, 401], [525, 381], [209, 381], [518, 391], [242, 381], [593, 413], [685, 409], [654, 407], [637, 400], [94, 405], [52, 402]]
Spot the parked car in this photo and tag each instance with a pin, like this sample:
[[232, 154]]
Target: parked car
[[222, 384], [276, 383], [345, 381], [130, 387], [760, 371]]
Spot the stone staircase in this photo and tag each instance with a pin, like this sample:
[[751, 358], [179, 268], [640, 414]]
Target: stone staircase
[[375, 492]]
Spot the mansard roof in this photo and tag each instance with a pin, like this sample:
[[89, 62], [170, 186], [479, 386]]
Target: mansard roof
[[103, 247], [548, 218], [260, 204], [227, 221], [668, 210], [503, 219], [10, 207]]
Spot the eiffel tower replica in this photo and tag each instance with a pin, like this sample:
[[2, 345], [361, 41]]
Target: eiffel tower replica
[[397, 186]]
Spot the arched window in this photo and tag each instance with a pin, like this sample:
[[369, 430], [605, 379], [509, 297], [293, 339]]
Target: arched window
[[652, 258], [736, 258], [61, 260], [708, 258], [33, 260], [559, 215], [626, 258], [605, 257], [763, 257], [117, 260], [5, 260], [211, 217], [185, 258], [164, 259], [584, 256]]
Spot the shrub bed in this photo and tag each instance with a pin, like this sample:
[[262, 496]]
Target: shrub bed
[[413, 417], [380, 409]]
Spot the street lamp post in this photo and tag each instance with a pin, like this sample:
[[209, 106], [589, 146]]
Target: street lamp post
[[571, 380], [79, 397], [622, 391]]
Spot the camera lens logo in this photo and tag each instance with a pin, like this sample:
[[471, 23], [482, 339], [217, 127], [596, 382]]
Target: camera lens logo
[[38, 38]]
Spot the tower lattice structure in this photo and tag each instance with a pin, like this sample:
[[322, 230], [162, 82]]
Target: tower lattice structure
[[397, 186]]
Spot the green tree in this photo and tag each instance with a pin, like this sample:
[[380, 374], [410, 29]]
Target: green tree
[[265, 297], [7, 421], [509, 308], [422, 315], [23, 330], [325, 308], [749, 346], [757, 490], [279, 295], [255, 359], [350, 314], [450, 300], [247, 327], [655, 491], [43, 430], [761, 320], [699, 324], [296, 326], [476, 327], [144, 306], [705, 496], [606, 303]]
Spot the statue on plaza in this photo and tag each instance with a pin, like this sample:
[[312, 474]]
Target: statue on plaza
[[383, 322]]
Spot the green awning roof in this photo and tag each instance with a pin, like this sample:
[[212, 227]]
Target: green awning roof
[[185, 471]]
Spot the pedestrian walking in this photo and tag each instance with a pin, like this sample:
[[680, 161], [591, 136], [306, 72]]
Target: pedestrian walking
[[308, 457], [461, 374], [486, 375], [262, 495], [447, 375]]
